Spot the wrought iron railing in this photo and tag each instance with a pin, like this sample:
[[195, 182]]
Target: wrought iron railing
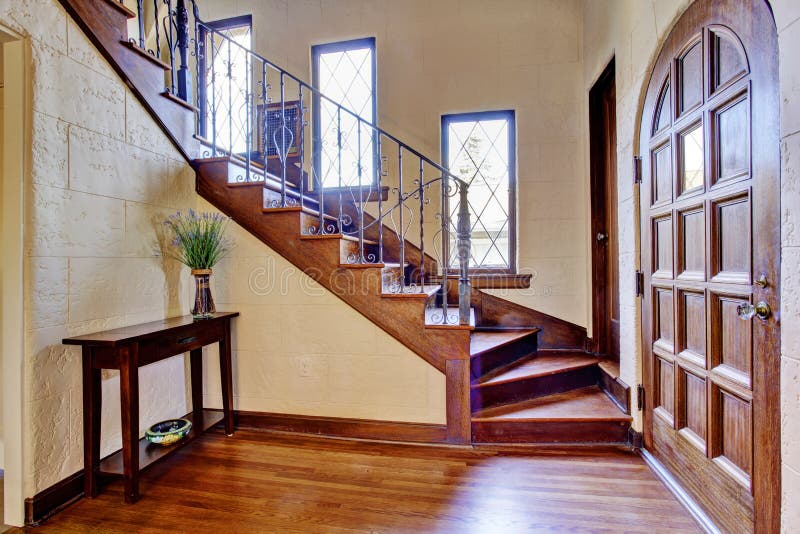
[[254, 111]]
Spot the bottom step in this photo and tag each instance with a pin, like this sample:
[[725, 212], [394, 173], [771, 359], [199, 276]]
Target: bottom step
[[583, 415]]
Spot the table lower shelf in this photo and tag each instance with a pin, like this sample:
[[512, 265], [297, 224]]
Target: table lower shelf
[[150, 453]]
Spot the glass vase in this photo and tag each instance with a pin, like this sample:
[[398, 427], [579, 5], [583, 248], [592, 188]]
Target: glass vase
[[203, 301]]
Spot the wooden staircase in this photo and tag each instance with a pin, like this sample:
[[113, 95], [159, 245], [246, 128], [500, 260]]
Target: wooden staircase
[[512, 374]]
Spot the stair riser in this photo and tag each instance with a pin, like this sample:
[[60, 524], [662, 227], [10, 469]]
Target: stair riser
[[521, 390], [391, 278], [351, 252], [309, 225], [550, 432], [273, 199], [489, 361]]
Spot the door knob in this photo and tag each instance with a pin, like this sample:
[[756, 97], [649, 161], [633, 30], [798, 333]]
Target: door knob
[[748, 311], [601, 236]]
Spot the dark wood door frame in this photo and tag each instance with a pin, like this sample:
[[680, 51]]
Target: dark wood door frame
[[599, 130]]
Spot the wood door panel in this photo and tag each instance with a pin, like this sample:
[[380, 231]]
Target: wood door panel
[[662, 175], [662, 232], [732, 341], [692, 327], [692, 421], [664, 317], [731, 231], [710, 225], [727, 59], [689, 70], [731, 139], [691, 259]]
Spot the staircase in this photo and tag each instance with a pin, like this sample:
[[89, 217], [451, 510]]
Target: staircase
[[513, 375]]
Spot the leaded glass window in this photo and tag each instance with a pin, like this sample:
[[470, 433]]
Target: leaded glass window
[[479, 149]]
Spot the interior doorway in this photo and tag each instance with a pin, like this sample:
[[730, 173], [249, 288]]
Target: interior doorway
[[15, 106], [604, 225]]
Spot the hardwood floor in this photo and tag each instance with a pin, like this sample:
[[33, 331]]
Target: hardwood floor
[[273, 482]]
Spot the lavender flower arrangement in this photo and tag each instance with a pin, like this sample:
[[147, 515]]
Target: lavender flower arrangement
[[199, 241]]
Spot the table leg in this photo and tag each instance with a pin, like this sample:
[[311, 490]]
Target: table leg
[[196, 364], [226, 376], [92, 402], [129, 398]]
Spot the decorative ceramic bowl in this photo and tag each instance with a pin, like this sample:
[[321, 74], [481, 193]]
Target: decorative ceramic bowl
[[168, 432]]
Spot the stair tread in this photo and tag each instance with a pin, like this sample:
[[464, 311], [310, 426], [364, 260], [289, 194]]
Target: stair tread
[[481, 342], [536, 367], [414, 292], [610, 367], [585, 404]]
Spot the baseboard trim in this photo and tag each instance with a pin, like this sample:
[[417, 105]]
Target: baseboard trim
[[635, 439], [343, 427], [703, 521], [52, 500]]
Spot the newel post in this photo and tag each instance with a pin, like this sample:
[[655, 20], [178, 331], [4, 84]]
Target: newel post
[[463, 244]]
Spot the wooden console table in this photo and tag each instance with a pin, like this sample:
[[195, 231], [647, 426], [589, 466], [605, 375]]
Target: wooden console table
[[128, 349]]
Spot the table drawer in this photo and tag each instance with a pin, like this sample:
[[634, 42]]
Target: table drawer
[[190, 340]]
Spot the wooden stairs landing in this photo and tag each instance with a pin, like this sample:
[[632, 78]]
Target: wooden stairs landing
[[519, 394]]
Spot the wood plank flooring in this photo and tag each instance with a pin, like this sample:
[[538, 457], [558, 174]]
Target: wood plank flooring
[[273, 482]]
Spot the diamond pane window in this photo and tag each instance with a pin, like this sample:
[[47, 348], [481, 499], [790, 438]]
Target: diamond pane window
[[479, 149], [345, 73], [227, 90]]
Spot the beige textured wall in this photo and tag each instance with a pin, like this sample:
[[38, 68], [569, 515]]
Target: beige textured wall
[[298, 349], [450, 56], [99, 177], [632, 31]]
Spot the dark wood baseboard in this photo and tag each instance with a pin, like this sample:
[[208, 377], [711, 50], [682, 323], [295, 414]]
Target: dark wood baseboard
[[51, 500], [635, 439], [617, 390], [697, 513], [343, 427]]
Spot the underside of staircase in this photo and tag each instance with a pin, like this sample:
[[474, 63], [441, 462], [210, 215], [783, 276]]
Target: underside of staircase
[[513, 375]]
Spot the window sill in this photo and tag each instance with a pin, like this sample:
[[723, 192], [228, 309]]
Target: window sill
[[496, 280], [370, 192]]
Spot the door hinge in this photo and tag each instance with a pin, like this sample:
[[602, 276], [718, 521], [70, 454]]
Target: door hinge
[[637, 169], [640, 396], [639, 283]]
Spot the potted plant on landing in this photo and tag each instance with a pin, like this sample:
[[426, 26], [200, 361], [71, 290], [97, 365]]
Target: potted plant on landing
[[199, 243]]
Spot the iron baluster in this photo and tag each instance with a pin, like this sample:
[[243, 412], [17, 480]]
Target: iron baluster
[[379, 159], [229, 73], [213, 98], [248, 126], [445, 241], [199, 55], [169, 35], [301, 146], [283, 141], [361, 258], [339, 149], [184, 84], [140, 20], [264, 121], [463, 256], [421, 226], [158, 34], [401, 229]]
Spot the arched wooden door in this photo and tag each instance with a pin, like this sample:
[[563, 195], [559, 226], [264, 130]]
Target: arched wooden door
[[710, 215]]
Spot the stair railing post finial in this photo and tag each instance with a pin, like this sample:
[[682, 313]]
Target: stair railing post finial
[[184, 78], [464, 244]]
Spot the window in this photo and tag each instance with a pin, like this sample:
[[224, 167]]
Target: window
[[480, 149], [224, 104], [345, 73]]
